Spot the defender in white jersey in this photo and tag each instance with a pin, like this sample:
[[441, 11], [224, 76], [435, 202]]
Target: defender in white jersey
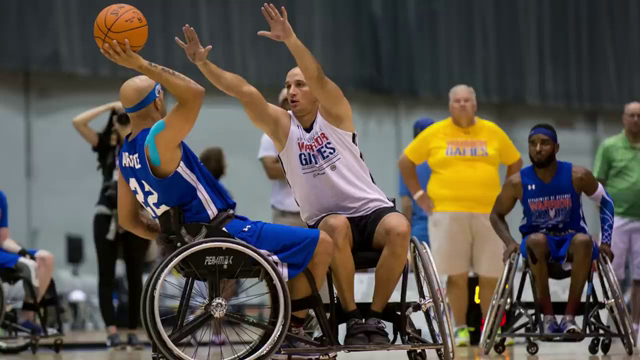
[[318, 148]]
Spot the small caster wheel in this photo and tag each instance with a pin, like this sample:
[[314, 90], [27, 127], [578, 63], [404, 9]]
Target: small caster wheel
[[499, 348], [417, 355], [605, 346], [532, 348], [57, 345], [34, 347]]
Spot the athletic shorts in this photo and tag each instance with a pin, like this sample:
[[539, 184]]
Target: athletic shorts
[[289, 247], [558, 248], [463, 242], [9, 260], [625, 244], [363, 228]]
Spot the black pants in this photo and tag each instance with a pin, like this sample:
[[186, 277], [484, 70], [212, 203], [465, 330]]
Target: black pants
[[134, 250]]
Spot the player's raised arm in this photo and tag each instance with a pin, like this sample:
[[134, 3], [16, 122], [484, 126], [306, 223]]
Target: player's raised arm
[[585, 182], [187, 92], [511, 192], [269, 118], [334, 106]]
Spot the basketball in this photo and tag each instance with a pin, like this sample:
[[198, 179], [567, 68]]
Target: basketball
[[120, 22]]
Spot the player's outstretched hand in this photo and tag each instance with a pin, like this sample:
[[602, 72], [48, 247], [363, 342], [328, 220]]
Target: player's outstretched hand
[[126, 57], [195, 52], [280, 28]]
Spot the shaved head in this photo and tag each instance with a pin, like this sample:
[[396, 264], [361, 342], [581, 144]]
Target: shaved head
[[134, 90]]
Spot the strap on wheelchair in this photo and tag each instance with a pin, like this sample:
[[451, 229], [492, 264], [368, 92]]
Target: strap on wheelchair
[[30, 307], [305, 303]]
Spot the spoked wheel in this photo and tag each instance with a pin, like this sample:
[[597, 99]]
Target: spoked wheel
[[616, 306], [217, 298], [434, 303], [498, 304], [144, 299], [13, 338]]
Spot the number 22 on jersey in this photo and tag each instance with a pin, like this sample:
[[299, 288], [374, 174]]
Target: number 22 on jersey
[[151, 199]]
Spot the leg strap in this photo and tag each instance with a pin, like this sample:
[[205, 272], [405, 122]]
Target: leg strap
[[305, 303]]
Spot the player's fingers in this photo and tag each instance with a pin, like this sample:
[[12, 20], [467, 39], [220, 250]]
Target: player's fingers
[[272, 16], [117, 49], [186, 36], [284, 14], [266, 15], [127, 47], [207, 49], [265, 33], [109, 51], [275, 11], [194, 35], [182, 45], [106, 54]]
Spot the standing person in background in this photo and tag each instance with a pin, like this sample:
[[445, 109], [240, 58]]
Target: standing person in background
[[108, 236], [617, 168], [464, 153], [416, 215], [283, 205]]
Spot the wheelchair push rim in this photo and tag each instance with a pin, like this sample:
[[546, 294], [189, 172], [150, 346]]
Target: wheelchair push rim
[[427, 282], [621, 320], [497, 306], [217, 307]]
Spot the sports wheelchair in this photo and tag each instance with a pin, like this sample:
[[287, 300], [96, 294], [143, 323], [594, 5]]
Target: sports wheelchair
[[187, 302], [14, 338], [511, 315]]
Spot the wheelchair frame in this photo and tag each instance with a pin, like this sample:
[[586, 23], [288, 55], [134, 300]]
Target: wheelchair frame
[[504, 304], [10, 276], [327, 343]]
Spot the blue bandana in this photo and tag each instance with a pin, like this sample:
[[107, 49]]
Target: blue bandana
[[151, 96], [545, 132]]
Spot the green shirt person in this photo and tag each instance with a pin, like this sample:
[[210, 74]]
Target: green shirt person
[[617, 167]]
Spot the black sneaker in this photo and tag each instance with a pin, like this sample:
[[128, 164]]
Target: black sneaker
[[113, 341], [134, 342], [376, 332], [356, 333]]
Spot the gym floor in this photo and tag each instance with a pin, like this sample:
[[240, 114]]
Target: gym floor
[[555, 351]]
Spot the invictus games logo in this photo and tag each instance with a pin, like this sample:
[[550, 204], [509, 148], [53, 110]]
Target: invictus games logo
[[218, 260]]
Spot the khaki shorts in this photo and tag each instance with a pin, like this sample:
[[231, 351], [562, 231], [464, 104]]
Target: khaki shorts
[[463, 242]]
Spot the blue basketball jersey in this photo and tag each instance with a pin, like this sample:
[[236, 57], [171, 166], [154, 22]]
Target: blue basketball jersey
[[191, 187], [554, 208]]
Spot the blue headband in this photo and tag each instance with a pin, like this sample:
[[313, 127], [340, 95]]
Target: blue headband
[[545, 132], [151, 96]]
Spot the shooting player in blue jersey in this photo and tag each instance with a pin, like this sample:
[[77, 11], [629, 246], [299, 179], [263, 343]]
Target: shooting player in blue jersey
[[161, 173], [553, 227]]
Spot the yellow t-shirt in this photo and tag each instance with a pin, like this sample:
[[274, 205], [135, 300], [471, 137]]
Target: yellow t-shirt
[[464, 164]]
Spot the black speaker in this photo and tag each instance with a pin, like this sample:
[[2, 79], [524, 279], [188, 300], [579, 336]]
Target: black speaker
[[474, 311], [75, 249]]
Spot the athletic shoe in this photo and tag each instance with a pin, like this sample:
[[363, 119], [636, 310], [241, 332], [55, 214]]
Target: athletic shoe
[[295, 344], [134, 342], [356, 333], [376, 332], [462, 337], [568, 325], [113, 341]]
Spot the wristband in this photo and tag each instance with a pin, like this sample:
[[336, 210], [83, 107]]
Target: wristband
[[418, 194], [24, 253]]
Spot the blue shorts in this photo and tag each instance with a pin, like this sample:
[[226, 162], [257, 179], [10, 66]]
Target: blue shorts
[[558, 247], [9, 260], [290, 248]]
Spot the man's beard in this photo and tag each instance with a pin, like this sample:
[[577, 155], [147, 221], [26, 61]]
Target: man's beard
[[543, 164]]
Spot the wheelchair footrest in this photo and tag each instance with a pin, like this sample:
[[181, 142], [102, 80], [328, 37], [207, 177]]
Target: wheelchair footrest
[[354, 348], [558, 307]]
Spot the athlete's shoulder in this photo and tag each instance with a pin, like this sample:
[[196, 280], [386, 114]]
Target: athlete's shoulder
[[488, 124], [438, 126]]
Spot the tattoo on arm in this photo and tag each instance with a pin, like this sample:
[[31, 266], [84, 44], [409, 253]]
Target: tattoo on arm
[[169, 71]]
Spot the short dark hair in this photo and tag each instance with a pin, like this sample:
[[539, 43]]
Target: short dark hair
[[545, 126], [213, 159]]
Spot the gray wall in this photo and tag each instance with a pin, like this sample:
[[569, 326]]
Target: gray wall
[[65, 181]]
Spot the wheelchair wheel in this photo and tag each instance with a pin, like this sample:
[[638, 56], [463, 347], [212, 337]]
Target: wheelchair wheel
[[498, 304], [144, 301], [2, 304], [618, 309], [13, 338], [430, 291], [196, 280]]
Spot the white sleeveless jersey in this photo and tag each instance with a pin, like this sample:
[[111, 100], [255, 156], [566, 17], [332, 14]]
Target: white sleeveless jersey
[[327, 173]]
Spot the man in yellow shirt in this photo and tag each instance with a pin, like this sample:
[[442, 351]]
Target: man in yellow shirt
[[464, 153]]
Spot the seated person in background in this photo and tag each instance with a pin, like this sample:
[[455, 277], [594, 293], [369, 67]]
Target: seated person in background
[[554, 229], [36, 265]]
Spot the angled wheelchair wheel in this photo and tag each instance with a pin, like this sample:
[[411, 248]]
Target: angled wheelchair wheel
[[144, 300], [194, 313], [616, 305], [14, 339], [498, 304], [433, 301]]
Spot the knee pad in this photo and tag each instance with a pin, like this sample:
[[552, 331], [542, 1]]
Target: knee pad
[[27, 270]]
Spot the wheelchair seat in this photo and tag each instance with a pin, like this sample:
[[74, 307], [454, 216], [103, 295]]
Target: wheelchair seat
[[366, 259], [10, 275]]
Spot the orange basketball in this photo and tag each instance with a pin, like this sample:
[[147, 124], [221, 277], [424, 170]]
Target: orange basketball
[[119, 22]]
